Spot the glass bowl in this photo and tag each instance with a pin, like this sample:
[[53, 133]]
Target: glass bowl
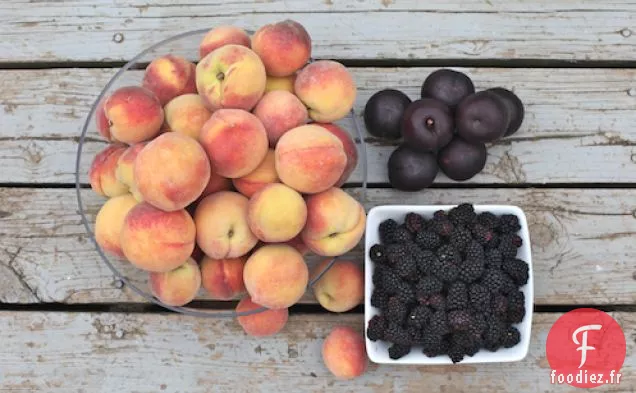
[[184, 45]]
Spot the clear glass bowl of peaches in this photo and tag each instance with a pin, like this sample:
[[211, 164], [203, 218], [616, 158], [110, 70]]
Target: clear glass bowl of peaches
[[216, 161]]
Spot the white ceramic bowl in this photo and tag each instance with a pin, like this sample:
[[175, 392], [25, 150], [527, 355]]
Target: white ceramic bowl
[[378, 350]]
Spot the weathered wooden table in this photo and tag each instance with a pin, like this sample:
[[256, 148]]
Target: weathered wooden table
[[67, 326]]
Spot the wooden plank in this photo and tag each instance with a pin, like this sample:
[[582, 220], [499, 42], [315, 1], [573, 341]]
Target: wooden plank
[[62, 352], [100, 30], [580, 125], [583, 248]]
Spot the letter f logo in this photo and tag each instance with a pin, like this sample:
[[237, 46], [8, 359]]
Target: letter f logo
[[583, 344]]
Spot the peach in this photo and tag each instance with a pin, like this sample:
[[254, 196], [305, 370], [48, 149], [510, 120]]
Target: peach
[[125, 165], [285, 83], [231, 76], [236, 142], [171, 171], [222, 228], [186, 115], [170, 76], [263, 323], [310, 159], [276, 276], [344, 353], [178, 286], [215, 184], [280, 111], [223, 278], [327, 89], [133, 115], [349, 148], [277, 213], [156, 240], [109, 222], [340, 288], [220, 36], [335, 223], [102, 122], [259, 178], [285, 47], [102, 172]]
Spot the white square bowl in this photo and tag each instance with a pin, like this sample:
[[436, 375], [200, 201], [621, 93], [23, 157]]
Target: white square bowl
[[378, 350]]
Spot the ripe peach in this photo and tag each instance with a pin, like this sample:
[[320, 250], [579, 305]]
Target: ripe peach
[[222, 228], [220, 36], [215, 184], [155, 240], [277, 213], [285, 83], [133, 114], [344, 353], [186, 115], [327, 89], [236, 142], [340, 288], [280, 111], [102, 172], [285, 47], [259, 178], [231, 76], [109, 222], [349, 148], [171, 171], [223, 278], [261, 324], [170, 76], [178, 286], [276, 276], [102, 122], [125, 165], [335, 223], [310, 159]]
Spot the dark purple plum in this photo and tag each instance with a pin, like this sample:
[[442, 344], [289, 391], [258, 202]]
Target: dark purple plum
[[482, 117], [447, 86], [427, 125], [461, 160], [383, 113], [411, 170], [513, 103]]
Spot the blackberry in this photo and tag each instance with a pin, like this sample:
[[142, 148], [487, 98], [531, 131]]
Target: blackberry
[[436, 301], [441, 225], [448, 255], [488, 220], [508, 245], [395, 253], [493, 280], [478, 327], [446, 272], [428, 240], [474, 250], [466, 342], [462, 214], [494, 259], [511, 337], [433, 344], [508, 285], [425, 261], [482, 234], [390, 281], [386, 231], [509, 223], [499, 306], [516, 307], [494, 334], [414, 222], [379, 298], [375, 328], [405, 293], [402, 235], [419, 316], [396, 310], [396, 334], [456, 353], [479, 297], [438, 324], [416, 334], [460, 238], [471, 270], [457, 298], [517, 270], [378, 276], [459, 320], [406, 268], [427, 286], [377, 254], [493, 242], [440, 215], [397, 351]]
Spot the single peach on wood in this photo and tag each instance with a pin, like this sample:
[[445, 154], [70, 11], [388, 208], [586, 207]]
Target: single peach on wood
[[349, 148], [133, 114], [263, 323], [110, 221], [223, 278], [280, 111], [341, 287], [155, 240], [220, 36], [285, 47], [186, 115], [222, 228], [102, 173], [285, 83], [171, 171], [344, 353], [277, 213], [178, 286], [125, 166], [170, 76], [310, 159]]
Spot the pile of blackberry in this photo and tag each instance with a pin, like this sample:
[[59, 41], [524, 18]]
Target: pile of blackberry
[[449, 285]]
